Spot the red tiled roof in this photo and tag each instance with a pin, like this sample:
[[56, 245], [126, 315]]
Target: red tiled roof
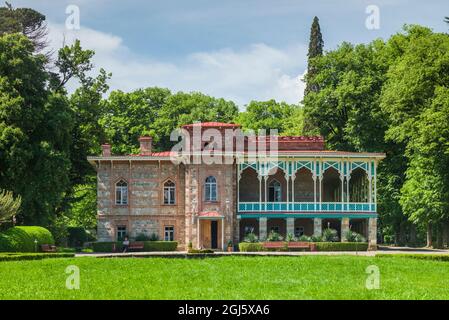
[[210, 214], [211, 125], [156, 154]]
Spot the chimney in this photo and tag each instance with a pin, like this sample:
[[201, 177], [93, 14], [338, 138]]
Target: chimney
[[145, 145], [106, 150]]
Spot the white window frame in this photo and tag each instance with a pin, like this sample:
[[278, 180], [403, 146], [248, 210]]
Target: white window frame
[[121, 193], [169, 198], [211, 189], [169, 233]]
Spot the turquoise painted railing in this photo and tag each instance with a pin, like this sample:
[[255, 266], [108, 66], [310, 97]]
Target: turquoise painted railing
[[306, 206]]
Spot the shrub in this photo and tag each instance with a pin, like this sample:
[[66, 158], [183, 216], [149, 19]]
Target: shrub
[[200, 251], [316, 238], [304, 238], [76, 236], [330, 235], [352, 236], [154, 237], [142, 237], [251, 238], [106, 246], [34, 256], [251, 246], [341, 246], [21, 239], [290, 237], [434, 257], [274, 236], [160, 245]]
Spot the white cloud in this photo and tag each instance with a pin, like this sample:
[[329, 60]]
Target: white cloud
[[257, 72]]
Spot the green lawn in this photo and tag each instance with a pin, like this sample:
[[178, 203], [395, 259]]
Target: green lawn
[[301, 277]]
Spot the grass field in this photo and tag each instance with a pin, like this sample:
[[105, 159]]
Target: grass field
[[301, 277]]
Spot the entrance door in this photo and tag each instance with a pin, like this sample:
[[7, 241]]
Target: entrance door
[[214, 234]]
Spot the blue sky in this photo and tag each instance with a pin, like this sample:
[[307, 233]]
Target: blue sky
[[241, 50]]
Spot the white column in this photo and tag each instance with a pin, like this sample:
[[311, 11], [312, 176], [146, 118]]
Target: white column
[[222, 234], [287, 178], [372, 233], [342, 178], [262, 228], [290, 222], [317, 227], [344, 229], [347, 187], [314, 192], [293, 190]]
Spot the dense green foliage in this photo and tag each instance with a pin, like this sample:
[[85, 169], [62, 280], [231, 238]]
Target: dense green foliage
[[233, 278], [316, 45], [391, 96], [33, 256], [341, 246], [148, 246], [251, 246], [25, 239], [9, 206]]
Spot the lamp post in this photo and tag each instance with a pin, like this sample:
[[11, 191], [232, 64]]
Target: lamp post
[[35, 245]]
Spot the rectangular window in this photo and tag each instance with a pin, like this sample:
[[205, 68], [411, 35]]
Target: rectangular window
[[169, 195], [169, 233], [121, 233], [121, 195], [299, 231]]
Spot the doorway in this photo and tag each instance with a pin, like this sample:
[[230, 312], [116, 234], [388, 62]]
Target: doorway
[[214, 234]]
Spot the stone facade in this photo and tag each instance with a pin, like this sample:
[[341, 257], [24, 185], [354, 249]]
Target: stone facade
[[243, 203]]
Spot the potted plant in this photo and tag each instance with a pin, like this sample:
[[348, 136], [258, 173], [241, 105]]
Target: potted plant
[[230, 248]]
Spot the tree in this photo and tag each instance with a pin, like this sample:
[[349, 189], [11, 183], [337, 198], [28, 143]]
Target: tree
[[185, 108], [35, 126], [9, 206], [127, 116], [26, 21], [316, 45], [266, 115]]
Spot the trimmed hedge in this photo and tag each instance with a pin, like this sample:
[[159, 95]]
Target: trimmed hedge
[[148, 246], [106, 246], [200, 251], [423, 256], [251, 246], [160, 245], [33, 256], [21, 239], [341, 246]]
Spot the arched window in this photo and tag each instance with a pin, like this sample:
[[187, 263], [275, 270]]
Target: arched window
[[274, 191], [121, 193], [211, 189], [169, 192]]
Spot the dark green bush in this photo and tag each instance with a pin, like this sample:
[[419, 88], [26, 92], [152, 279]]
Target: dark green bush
[[107, 246], [200, 251], [251, 246], [142, 237], [330, 235], [434, 257], [33, 256], [160, 245], [341, 246], [76, 236], [21, 239]]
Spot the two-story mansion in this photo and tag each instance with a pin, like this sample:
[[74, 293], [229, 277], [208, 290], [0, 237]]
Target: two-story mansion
[[301, 191]]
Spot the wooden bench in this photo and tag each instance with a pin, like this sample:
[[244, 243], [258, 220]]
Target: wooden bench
[[48, 248], [274, 245], [137, 245], [301, 245]]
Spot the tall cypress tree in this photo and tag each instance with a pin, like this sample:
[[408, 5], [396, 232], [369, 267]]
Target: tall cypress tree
[[315, 49]]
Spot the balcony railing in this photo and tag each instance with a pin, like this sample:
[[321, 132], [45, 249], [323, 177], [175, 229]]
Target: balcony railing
[[306, 207]]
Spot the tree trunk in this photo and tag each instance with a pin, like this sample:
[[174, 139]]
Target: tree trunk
[[439, 236], [402, 233], [429, 235], [445, 234], [413, 234]]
